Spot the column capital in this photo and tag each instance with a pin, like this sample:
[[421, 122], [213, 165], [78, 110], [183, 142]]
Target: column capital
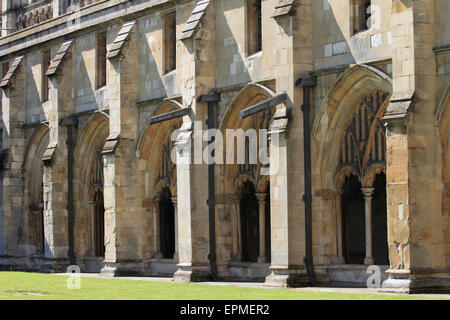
[[261, 197], [236, 197], [368, 192]]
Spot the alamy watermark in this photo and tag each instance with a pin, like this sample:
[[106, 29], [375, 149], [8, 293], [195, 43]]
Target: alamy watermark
[[374, 280], [74, 280], [234, 146]]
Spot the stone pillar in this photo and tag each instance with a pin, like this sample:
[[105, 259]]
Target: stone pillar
[[196, 65], [156, 226], [13, 110], [125, 228], [340, 251], [417, 227], [55, 163], [8, 17], [283, 273], [58, 7], [262, 227], [292, 35], [175, 205], [192, 221], [236, 227], [368, 195]]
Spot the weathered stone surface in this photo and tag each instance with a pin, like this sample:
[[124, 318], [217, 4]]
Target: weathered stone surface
[[122, 166]]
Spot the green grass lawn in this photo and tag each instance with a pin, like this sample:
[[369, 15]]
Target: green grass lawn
[[33, 286]]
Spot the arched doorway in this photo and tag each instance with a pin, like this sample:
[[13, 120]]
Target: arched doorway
[[246, 184], [254, 223], [34, 189], [88, 185], [166, 224], [267, 224], [159, 179], [353, 222], [98, 206], [379, 221], [362, 161], [99, 225]]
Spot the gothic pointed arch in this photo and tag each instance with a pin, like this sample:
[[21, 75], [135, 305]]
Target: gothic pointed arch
[[155, 148], [88, 186], [243, 176], [355, 102], [442, 116], [33, 167], [442, 119], [362, 147], [250, 95]]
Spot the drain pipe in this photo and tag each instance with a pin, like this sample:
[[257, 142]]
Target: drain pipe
[[212, 100], [70, 123], [307, 84]]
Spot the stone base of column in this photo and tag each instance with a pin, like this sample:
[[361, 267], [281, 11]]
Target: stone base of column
[[34, 264], [158, 255], [236, 257], [262, 259], [192, 273], [281, 277], [58, 265], [125, 268], [419, 281], [368, 261], [337, 260]]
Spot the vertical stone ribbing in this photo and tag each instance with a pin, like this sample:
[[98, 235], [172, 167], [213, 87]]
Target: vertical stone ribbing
[[14, 143], [125, 231], [55, 167], [293, 43], [198, 61]]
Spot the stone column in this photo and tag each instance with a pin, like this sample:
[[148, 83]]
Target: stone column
[[13, 150], [8, 18], [156, 229], [236, 227], [56, 190], [125, 227], [193, 234], [175, 205], [417, 227], [368, 196], [285, 224], [262, 227], [196, 65], [340, 252], [293, 37]]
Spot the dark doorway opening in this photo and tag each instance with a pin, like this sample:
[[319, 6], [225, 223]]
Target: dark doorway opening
[[249, 223], [99, 224], [167, 224], [353, 221], [379, 221], [267, 224]]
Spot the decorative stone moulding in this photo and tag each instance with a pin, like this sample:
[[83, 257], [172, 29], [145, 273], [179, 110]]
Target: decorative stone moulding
[[33, 14]]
